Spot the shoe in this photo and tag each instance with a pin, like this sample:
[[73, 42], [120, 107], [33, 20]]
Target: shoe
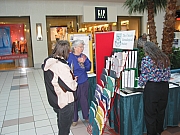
[[74, 124], [87, 120]]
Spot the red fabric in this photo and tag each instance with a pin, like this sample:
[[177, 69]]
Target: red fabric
[[104, 47]]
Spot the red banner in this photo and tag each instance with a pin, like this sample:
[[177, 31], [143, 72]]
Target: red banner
[[104, 47], [14, 56]]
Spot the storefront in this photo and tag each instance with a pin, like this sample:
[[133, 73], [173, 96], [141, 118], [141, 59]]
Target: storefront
[[15, 43], [74, 17]]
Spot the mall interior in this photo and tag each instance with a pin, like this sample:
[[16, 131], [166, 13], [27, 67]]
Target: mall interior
[[28, 31]]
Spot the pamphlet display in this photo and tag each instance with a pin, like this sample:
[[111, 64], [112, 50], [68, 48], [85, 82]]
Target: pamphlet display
[[116, 70]]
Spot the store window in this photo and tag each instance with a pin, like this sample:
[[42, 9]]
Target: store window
[[130, 23], [58, 27], [15, 43], [97, 27]]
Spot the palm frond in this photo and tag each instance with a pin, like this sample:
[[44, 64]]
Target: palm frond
[[140, 6]]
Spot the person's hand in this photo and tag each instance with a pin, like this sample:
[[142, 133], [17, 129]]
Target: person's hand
[[76, 77], [81, 60]]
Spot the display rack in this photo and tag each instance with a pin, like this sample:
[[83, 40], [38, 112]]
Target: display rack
[[101, 116]]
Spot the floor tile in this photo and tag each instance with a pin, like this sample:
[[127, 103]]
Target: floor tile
[[25, 114], [11, 116], [37, 103], [44, 130], [24, 86], [40, 117], [36, 108], [1, 124], [3, 108], [16, 87], [24, 106], [23, 110], [28, 132], [16, 102], [52, 115], [42, 123], [38, 112], [55, 128], [26, 120], [2, 113], [26, 126], [53, 121], [80, 131], [10, 122], [10, 129], [14, 133]]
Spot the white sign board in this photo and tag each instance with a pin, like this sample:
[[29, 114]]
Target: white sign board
[[124, 39]]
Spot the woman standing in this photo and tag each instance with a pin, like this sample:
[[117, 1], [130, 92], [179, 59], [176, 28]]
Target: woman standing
[[60, 85], [155, 74], [80, 64]]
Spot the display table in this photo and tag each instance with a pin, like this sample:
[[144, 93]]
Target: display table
[[92, 87], [130, 110]]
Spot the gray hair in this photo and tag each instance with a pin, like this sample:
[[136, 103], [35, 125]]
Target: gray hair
[[76, 43], [156, 54]]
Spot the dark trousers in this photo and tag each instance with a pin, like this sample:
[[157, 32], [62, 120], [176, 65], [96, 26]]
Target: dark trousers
[[82, 98], [64, 118], [155, 98]]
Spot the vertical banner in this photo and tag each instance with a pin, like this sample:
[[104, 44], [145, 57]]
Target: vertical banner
[[104, 47]]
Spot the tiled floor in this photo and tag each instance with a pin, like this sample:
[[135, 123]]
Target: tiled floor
[[24, 109]]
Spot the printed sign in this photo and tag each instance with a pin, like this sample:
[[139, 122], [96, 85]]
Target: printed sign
[[101, 13], [124, 39]]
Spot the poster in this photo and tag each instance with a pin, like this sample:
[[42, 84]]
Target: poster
[[58, 33], [5, 43], [124, 39], [13, 44]]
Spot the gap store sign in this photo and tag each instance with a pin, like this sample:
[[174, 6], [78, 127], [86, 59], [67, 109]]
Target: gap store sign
[[101, 13]]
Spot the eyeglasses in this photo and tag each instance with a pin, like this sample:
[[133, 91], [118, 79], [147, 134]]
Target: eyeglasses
[[80, 46]]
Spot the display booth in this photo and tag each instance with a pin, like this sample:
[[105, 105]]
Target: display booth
[[115, 105]]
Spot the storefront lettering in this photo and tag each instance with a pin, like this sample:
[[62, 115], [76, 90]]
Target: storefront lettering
[[101, 13]]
